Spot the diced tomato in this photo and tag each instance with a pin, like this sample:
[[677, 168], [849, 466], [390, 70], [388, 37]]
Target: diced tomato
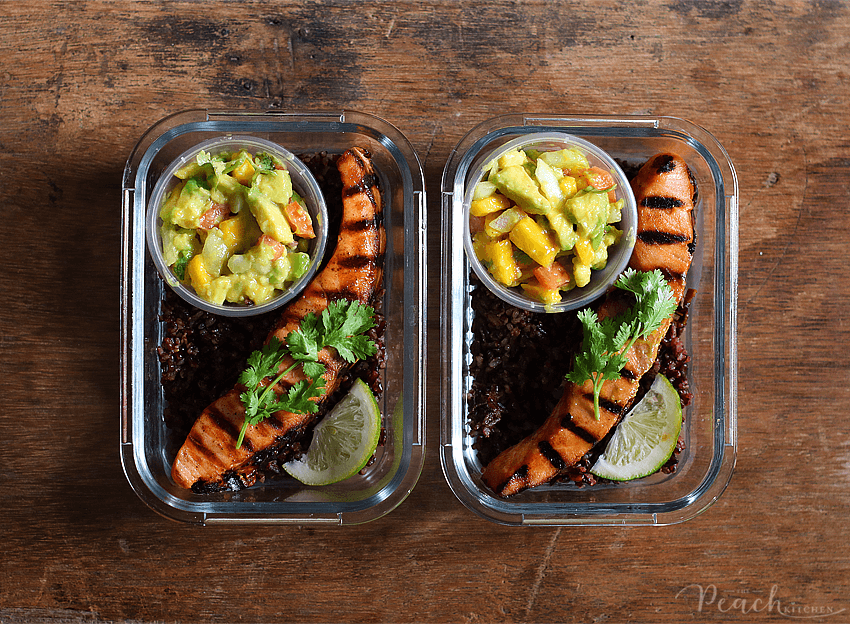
[[213, 216], [553, 276], [601, 179], [278, 247], [299, 219]]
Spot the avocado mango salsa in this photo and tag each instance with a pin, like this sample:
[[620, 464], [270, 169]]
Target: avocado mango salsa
[[544, 220], [234, 229]]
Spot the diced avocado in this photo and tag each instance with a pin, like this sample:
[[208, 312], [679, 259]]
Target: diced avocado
[[563, 230], [232, 190], [170, 202], [589, 211], [568, 159], [515, 183], [189, 170], [269, 216], [178, 243], [581, 272], [276, 185], [299, 263], [193, 201], [280, 270]]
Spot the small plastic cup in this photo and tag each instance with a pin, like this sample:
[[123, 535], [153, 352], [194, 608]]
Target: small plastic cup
[[302, 181], [618, 255]]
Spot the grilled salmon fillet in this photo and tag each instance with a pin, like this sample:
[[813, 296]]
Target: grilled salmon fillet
[[208, 460], [665, 193]]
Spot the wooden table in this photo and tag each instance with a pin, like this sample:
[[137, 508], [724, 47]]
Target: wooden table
[[81, 81]]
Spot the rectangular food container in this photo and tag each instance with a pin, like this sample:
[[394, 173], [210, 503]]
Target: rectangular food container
[[706, 465], [147, 450]]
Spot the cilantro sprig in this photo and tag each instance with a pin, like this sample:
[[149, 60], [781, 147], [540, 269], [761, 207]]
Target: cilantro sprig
[[605, 342], [342, 326]]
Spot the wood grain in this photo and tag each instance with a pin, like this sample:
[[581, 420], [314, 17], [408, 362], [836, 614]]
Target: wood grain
[[81, 81]]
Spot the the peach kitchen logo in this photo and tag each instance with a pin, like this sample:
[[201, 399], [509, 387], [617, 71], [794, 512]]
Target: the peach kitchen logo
[[708, 598]]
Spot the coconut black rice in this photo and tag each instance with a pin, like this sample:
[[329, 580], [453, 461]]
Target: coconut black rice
[[202, 355]]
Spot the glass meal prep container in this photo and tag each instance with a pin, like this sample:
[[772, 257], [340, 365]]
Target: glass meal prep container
[[706, 465], [147, 447]]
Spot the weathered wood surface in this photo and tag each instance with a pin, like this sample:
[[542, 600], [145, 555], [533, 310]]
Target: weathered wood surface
[[81, 81]]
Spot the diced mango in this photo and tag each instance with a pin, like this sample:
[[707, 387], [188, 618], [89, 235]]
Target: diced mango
[[538, 243], [569, 186], [480, 243], [198, 275], [504, 267], [514, 158], [534, 290], [584, 251], [244, 172], [488, 205]]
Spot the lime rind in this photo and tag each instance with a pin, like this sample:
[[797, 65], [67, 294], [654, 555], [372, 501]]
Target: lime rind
[[343, 441], [646, 437]]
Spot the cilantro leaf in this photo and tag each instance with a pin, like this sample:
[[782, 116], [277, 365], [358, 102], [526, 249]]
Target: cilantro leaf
[[606, 342], [341, 326]]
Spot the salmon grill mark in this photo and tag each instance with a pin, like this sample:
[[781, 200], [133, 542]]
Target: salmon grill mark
[[611, 406], [665, 163], [654, 237], [629, 374], [344, 292], [692, 246], [354, 262], [607, 404], [200, 446], [671, 276], [665, 203], [551, 455], [362, 225], [274, 421], [520, 475], [222, 422], [367, 187], [367, 182], [568, 424]]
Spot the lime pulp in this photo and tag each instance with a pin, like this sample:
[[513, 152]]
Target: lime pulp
[[646, 437], [343, 441]]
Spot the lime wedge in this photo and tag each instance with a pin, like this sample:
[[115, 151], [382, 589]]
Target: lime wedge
[[646, 437], [343, 441]]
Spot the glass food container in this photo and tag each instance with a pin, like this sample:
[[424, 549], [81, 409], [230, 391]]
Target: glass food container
[[706, 464], [148, 445]]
